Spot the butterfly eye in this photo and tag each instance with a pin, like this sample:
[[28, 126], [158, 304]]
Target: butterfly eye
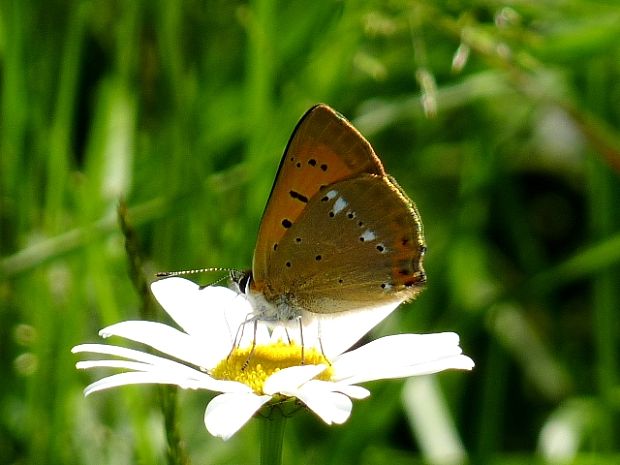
[[242, 280]]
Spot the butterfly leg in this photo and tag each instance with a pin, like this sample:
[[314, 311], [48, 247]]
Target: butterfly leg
[[247, 360], [239, 334], [321, 346], [288, 336], [301, 339]]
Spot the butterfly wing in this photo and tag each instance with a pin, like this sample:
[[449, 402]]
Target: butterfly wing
[[324, 148], [364, 249]]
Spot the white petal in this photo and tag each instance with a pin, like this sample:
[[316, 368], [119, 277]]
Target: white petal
[[141, 377], [355, 392], [287, 381], [209, 312], [214, 314], [160, 370], [331, 407], [179, 372], [131, 354], [459, 362], [170, 341], [339, 331], [227, 413], [136, 355], [123, 364], [399, 356]]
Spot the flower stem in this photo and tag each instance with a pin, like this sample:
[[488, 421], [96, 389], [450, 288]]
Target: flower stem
[[272, 435]]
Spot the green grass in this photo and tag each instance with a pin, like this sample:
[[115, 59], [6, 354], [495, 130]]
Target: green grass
[[183, 109]]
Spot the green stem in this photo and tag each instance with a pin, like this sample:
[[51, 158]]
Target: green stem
[[272, 435]]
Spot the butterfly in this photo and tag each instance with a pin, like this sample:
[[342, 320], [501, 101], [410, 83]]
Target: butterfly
[[338, 233]]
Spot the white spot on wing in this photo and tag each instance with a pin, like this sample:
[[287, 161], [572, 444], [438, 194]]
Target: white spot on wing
[[368, 235], [339, 205], [331, 194]]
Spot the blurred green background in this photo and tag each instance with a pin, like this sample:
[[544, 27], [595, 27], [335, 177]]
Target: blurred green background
[[500, 119]]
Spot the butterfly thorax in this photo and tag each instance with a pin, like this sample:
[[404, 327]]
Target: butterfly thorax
[[282, 307], [267, 304]]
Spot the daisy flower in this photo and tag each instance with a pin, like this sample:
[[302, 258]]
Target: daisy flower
[[252, 365]]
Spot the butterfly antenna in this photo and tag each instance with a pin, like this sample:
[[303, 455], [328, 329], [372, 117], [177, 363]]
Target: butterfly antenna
[[167, 274]]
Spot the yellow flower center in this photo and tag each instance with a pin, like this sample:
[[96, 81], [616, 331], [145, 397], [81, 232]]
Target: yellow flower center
[[253, 368]]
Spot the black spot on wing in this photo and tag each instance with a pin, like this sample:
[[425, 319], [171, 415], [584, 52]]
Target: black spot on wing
[[297, 196]]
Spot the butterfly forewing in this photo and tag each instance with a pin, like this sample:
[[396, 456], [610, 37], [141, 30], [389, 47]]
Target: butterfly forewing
[[323, 149]]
